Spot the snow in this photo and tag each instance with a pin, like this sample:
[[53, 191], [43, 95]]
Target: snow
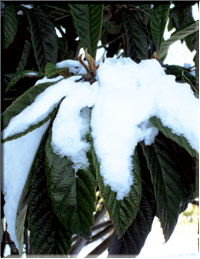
[[31, 74], [28, 6], [18, 156], [129, 96], [41, 107], [70, 126], [46, 80], [121, 102]]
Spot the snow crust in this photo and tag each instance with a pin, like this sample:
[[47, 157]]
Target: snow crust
[[41, 107], [18, 156], [129, 95]]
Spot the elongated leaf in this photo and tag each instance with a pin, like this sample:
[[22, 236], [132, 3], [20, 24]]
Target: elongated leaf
[[73, 194], [158, 23], [22, 102], [24, 56], [87, 20], [10, 25], [180, 140], [47, 234], [122, 212], [44, 38], [137, 36], [21, 74], [167, 182], [134, 238], [179, 35]]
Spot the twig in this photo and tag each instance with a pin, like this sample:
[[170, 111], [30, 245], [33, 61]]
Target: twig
[[109, 42], [100, 248]]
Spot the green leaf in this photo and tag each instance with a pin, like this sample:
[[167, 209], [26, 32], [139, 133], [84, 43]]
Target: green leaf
[[178, 35], [137, 36], [44, 38], [180, 140], [158, 23], [21, 74], [161, 160], [73, 194], [24, 56], [22, 102], [87, 20], [52, 71], [122, 212], [10, 25], [134, 238], [111, 27], [47, 234]]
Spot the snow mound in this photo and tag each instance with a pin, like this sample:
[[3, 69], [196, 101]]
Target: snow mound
[[129, 95]]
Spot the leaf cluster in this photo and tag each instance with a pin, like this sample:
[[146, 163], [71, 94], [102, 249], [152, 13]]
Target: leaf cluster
[[60, 207]]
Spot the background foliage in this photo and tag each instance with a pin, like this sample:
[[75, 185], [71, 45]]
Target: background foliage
[[165, 172]]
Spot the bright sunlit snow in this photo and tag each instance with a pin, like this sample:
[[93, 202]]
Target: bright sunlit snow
[[18, 156]]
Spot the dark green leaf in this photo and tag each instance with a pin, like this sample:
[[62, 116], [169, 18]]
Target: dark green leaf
[[137, 36], [158, 23], [22, 102], [166, 178], [87, 20], [24, 56], [73, 194], [52, 71], [10, 25], [44, 38], [122, 212], [134, 238], [179, 35], [47, 234], [180, 140], [111, 27], [21, 74]]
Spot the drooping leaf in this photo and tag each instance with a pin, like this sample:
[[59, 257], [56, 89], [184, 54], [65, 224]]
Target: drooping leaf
[[10, 25], [137, 36], [24, 56], [180, 140], [158, 23], [73, 194], [22, 102], [21, 74], [167, 182], [121, 212], [134, 238], [179, 35], [47, 233], [87, 20], [44, 38], [188, 168]]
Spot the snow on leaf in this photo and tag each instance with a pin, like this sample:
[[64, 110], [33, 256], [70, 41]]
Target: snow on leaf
[[129, 95], [17, 160], [41, 107], [124, 98]]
